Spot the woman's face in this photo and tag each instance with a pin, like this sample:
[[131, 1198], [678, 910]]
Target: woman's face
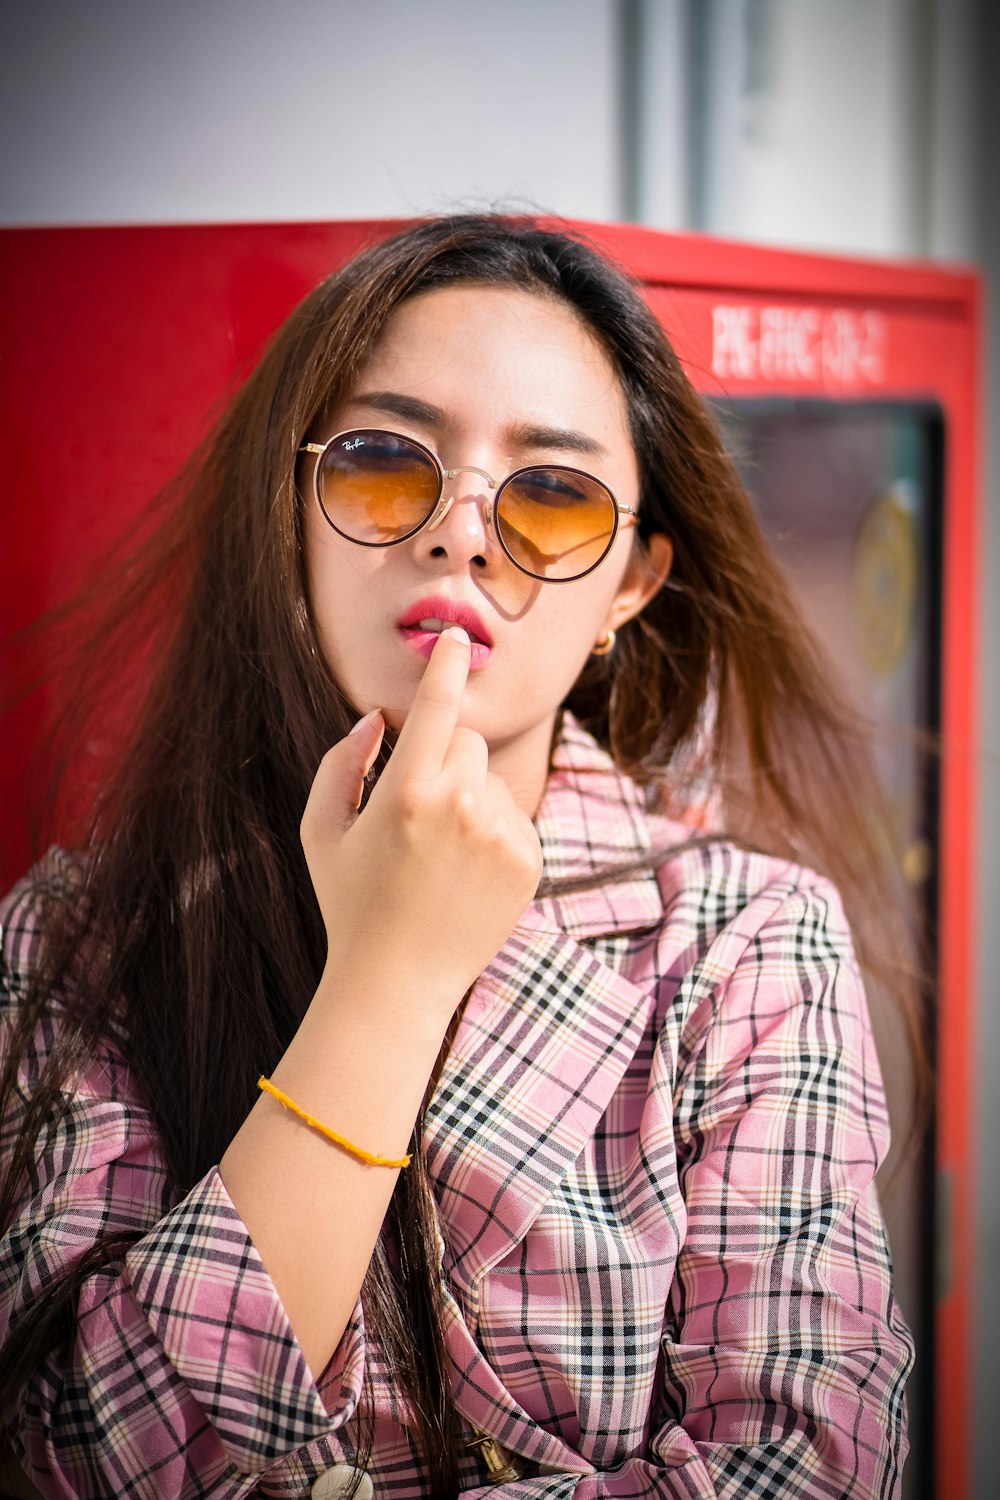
[[494, 378]]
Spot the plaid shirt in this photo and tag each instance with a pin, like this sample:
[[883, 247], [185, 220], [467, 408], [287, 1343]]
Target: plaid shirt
[[654, 1144]]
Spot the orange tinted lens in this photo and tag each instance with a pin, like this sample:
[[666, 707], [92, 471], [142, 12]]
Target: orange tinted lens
[[376, 487], [555, 523]]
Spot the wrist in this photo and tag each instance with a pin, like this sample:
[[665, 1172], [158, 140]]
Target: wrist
[[359, 1073], [409, 1004]]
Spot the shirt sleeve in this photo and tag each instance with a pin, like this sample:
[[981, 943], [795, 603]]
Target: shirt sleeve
[[784, 1354], [182, 1375]]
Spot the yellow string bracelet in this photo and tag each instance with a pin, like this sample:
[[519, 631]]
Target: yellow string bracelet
[[331, 1135]]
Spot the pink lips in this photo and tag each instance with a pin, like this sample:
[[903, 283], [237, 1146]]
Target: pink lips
[[449, 612]]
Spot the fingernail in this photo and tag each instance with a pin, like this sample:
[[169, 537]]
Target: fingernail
[[362, 722], [458, 634]]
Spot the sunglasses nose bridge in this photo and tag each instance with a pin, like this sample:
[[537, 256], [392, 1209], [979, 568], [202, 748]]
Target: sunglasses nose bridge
[[470, 469], [446, 502]]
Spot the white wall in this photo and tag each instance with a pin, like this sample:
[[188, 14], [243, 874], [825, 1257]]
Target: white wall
[[124, 110], [838, 124]]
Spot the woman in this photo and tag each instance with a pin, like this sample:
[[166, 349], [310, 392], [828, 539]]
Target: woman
[[467, 508]]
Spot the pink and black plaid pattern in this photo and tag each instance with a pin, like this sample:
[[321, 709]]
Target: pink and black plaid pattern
[[653, 1143]]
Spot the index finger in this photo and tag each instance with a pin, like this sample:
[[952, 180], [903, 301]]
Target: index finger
[[427, 731]]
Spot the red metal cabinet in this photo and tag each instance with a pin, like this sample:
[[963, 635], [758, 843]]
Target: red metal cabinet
[[117, 346]]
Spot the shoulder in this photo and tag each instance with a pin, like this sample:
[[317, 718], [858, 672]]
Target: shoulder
[[711, 886], [53, 883], [95, 1107], [747, 934], [33, 1013], [760, 991]]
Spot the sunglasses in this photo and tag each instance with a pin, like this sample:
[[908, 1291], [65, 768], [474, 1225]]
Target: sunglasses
[[379, 488]]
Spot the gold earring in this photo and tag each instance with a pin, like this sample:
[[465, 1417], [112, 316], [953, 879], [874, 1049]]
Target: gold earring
[[605, 644]]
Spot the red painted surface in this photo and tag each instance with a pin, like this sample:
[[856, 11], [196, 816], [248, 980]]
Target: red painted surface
[[118, 345]]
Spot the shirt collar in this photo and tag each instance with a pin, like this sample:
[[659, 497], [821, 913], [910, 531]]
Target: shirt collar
[[592, 819]]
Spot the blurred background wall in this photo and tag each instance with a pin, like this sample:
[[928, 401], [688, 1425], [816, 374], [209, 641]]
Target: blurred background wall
[[858, 126]]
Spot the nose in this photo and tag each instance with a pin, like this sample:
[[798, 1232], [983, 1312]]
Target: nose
[[461, 528]]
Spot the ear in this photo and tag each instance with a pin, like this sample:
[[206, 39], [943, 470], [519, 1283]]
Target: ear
[[647, 571]]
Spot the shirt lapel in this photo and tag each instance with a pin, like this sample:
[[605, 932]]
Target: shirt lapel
[[550, 1027], [545, 1038]]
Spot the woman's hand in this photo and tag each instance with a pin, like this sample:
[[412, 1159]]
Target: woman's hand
[[432, 876]]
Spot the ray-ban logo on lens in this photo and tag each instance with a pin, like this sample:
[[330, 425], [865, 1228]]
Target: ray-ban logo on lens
[[357, 443]]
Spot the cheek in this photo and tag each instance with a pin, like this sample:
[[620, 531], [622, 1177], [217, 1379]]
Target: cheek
[[334, 597], [598, 593], [576, 620], [314, 550], [337, 574]]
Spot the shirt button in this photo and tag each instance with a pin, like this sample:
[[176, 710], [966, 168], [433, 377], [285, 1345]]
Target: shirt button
[[336, 1483]]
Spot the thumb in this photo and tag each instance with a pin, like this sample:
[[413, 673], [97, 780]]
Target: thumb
[[337, 789], [360, 749]]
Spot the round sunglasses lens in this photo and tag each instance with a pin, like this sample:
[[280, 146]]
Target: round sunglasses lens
[[555, 523], [376, 487]]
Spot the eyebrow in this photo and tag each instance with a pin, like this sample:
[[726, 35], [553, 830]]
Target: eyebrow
[[528, 435], [521, 435], [394, 404]]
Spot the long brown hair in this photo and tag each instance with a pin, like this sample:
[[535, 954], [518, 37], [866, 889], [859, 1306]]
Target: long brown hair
[[194, 901]]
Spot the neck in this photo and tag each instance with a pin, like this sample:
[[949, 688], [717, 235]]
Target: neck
[[523, 764]]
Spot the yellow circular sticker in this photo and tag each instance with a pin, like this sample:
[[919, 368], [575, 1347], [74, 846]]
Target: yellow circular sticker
[[886, 568]]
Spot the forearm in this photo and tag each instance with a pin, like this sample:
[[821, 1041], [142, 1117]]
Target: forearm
[[417, 893], [313, 1210]]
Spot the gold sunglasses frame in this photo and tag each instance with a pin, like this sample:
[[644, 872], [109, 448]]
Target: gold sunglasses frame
[[625, 515]]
